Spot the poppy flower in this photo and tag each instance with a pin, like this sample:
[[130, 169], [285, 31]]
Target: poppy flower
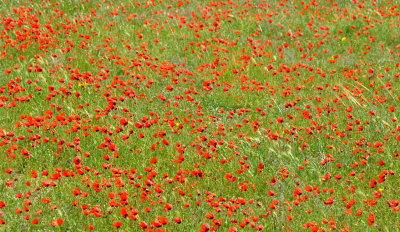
[[178, 220], [57, 222], [371, 219], [273, 181], [143, 224], [168, 206], [271, 193], [90, 227], [117, 224], [35, 221], [205, 227], [329, 201], [123, 121]]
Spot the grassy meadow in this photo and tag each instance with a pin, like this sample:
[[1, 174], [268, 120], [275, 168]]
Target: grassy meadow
[[184, 115]]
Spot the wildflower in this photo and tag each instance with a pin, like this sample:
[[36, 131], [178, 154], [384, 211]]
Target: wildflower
[[371, 218], [35, 221]]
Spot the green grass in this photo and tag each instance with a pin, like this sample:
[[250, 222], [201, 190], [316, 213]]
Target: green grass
[[295, 86]]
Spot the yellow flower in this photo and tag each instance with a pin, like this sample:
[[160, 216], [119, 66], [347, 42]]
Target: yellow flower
[[82, 84], [344, 38], [177, 124], [378, 117]]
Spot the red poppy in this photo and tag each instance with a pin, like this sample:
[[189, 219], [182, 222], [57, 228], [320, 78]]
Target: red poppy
[[178, 220], [143, 224], [124, 121], [371, 218], [117, 224], [57, 222], [35, 221], [153, 160], [329, 201]]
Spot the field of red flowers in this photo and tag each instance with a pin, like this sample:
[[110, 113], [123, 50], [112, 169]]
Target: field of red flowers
[[183, 115]]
